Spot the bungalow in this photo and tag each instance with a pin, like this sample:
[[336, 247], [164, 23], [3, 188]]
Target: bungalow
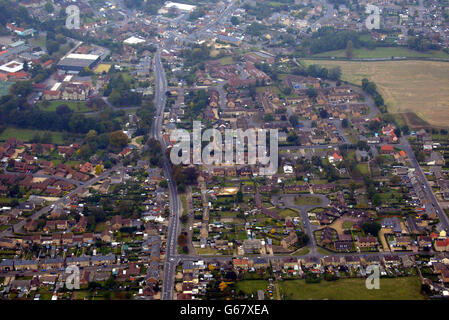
[[290, 240], [386, 149], [442, 245]]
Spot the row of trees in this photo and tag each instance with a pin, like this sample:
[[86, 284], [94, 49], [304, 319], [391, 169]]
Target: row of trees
[[371, 88]]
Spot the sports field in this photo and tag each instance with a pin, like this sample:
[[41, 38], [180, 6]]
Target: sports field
[[419, 87]]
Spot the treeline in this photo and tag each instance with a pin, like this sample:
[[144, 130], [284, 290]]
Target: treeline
[[149, 7], [119, 92], [371, 88], [196, 54], [265, 9], [329, 39], [11, 11], [418, 43], [317, 71]]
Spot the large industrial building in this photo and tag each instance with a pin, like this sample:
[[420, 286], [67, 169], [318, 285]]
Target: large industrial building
[[75, 62], [185, 8]]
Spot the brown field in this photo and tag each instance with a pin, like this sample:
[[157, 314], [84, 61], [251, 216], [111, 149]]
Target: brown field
[[408, 87]]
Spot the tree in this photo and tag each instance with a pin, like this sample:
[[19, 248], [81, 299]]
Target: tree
[[335, 73], [239, 196], [163, 184], [222, 286], [372, 228], [98, 169], [312, 93], [118, 139], [49, 7], [182, 239], [349, 49], [235, 21], [293, 120]]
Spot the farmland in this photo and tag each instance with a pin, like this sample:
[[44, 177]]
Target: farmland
[[353, 289], [418, 87], [385, 52]]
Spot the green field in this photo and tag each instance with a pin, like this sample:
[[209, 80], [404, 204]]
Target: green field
[[251, 286], [407, 288], [27, 134], [363, 168], [288, 213], [75, 106], [386, 52], [226, 61], [4, 87], [307, 201], [408, 87]]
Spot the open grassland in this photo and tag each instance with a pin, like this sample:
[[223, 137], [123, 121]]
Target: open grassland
[[251, 286], [407, 288], [385, 52], [75, 106], [27, 135], [419, 87]]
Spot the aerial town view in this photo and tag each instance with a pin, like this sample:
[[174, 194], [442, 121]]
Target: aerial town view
[[239, 150]]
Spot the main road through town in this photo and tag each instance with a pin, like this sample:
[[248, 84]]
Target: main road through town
[[173, 226]]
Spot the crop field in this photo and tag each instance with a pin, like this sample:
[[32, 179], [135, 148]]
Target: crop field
[[418, 87]]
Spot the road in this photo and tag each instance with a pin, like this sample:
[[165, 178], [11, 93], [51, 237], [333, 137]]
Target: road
[[430, 195], [171, 258], [173, 225]]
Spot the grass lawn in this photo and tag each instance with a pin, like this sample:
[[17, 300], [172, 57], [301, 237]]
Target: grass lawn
[[405, 85], [288, 213], [407, 288], [27, 134], [206, 251], [302, 252], [226, 61], [347, 225], [386, 52], [184, 205], [75, 106], [307, 201], [363, 168], [251, 286]]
